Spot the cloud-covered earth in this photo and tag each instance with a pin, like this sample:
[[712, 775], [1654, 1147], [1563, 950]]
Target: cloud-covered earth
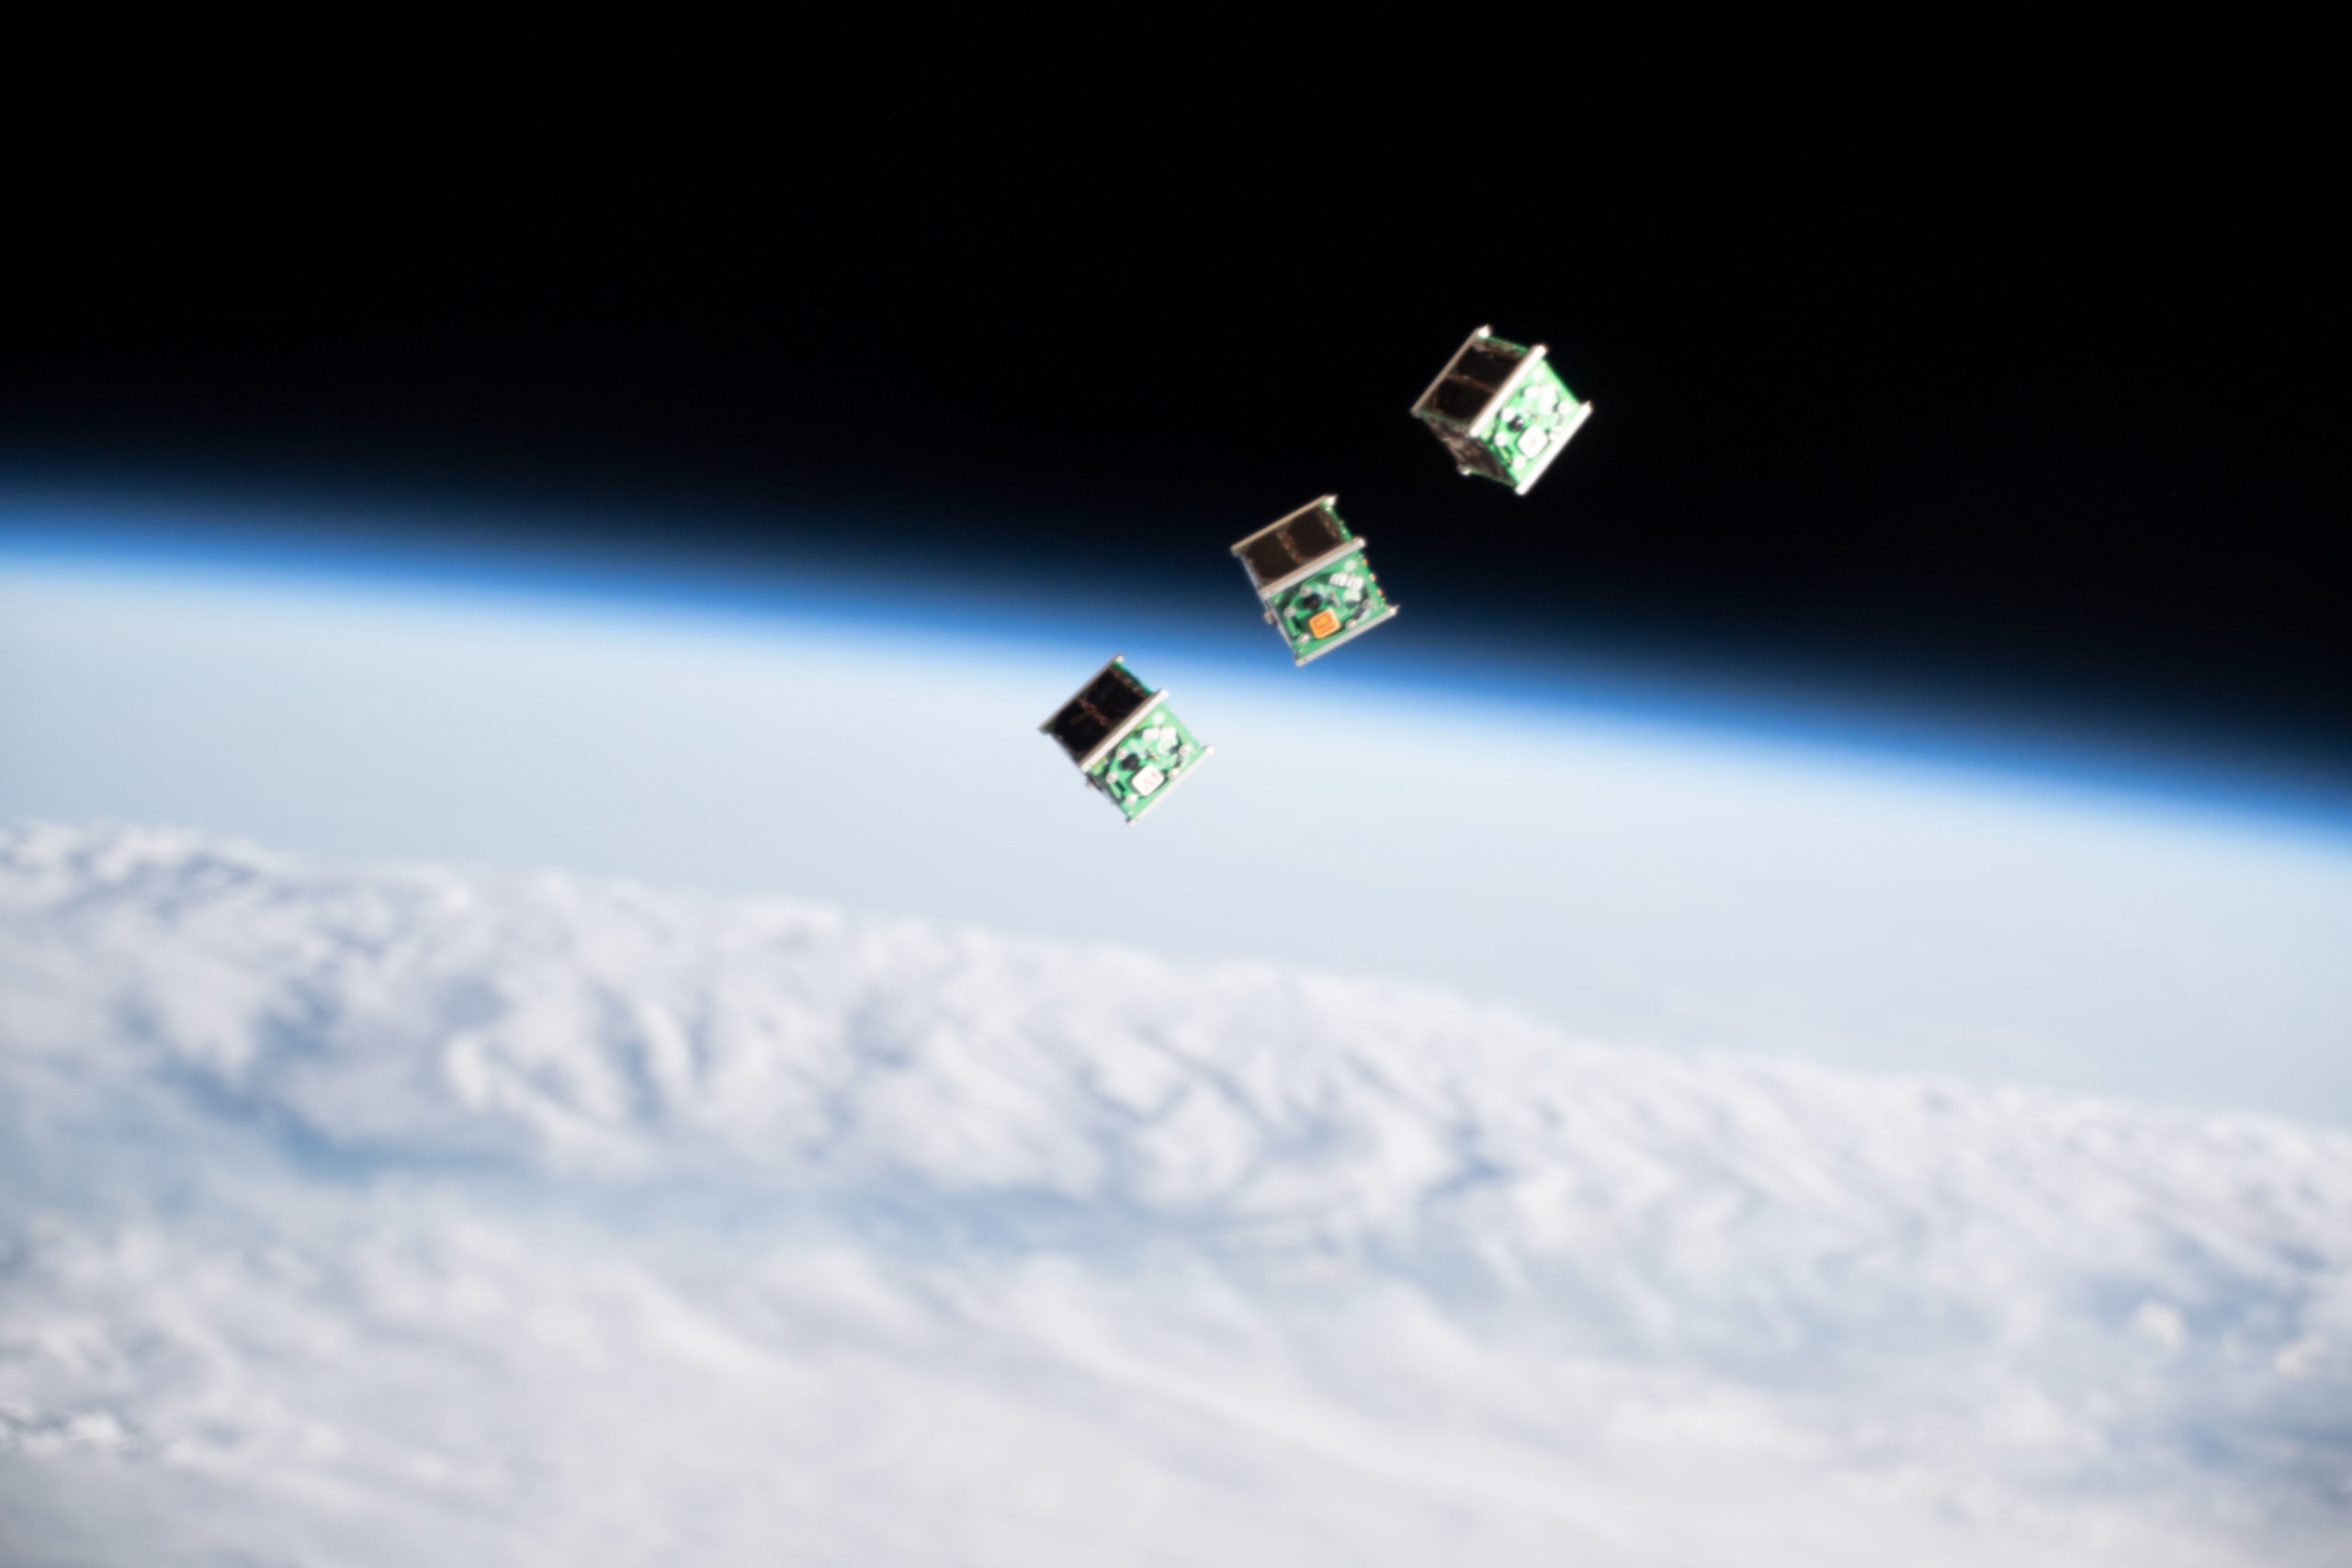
[[398, 1216]]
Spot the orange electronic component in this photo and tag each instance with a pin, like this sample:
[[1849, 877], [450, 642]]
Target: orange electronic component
[[1309, 572]]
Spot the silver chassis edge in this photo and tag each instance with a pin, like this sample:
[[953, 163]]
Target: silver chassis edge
[[1475, 429], [1292, 580], [1450, 364], [1584, 411], [1164, 790], [1126, 726]]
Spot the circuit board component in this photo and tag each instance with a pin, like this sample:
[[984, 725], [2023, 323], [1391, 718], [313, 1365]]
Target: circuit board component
[[1125, 740], [1501, 410], [1310, 573]]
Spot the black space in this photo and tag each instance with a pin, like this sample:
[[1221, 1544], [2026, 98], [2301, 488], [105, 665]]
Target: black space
[[1912, 343]]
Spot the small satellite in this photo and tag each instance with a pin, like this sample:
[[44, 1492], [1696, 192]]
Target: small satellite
[[1125, 740], [1310, 573], [1501, 410]]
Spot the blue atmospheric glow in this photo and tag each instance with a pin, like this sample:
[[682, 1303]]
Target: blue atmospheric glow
[[1631, 853], [465, 558]]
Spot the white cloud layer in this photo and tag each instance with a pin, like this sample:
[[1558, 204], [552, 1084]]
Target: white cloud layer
[[396, 1217]]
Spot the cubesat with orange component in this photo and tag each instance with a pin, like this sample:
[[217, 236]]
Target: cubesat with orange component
[[1309, 570]]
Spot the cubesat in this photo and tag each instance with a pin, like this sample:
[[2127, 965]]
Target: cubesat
[[1125, 740], [1504, 413], [1501, 410], [1311, 575]]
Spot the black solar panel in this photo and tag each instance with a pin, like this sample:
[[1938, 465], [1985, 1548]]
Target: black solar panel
[[1268, 557], [1460, 400], [1108, 701], [1311, 535], [1485, 364], [1115, 694], [1079, 728]]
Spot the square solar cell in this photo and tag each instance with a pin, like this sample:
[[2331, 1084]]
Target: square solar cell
[[1312, 534], [1268, 557]]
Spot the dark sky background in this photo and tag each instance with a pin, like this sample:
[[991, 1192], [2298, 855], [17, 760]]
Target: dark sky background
[[2013, 352]]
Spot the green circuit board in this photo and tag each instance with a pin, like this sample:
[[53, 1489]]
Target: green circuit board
[[1526, 432], [1324, 609], [1145, 764]]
